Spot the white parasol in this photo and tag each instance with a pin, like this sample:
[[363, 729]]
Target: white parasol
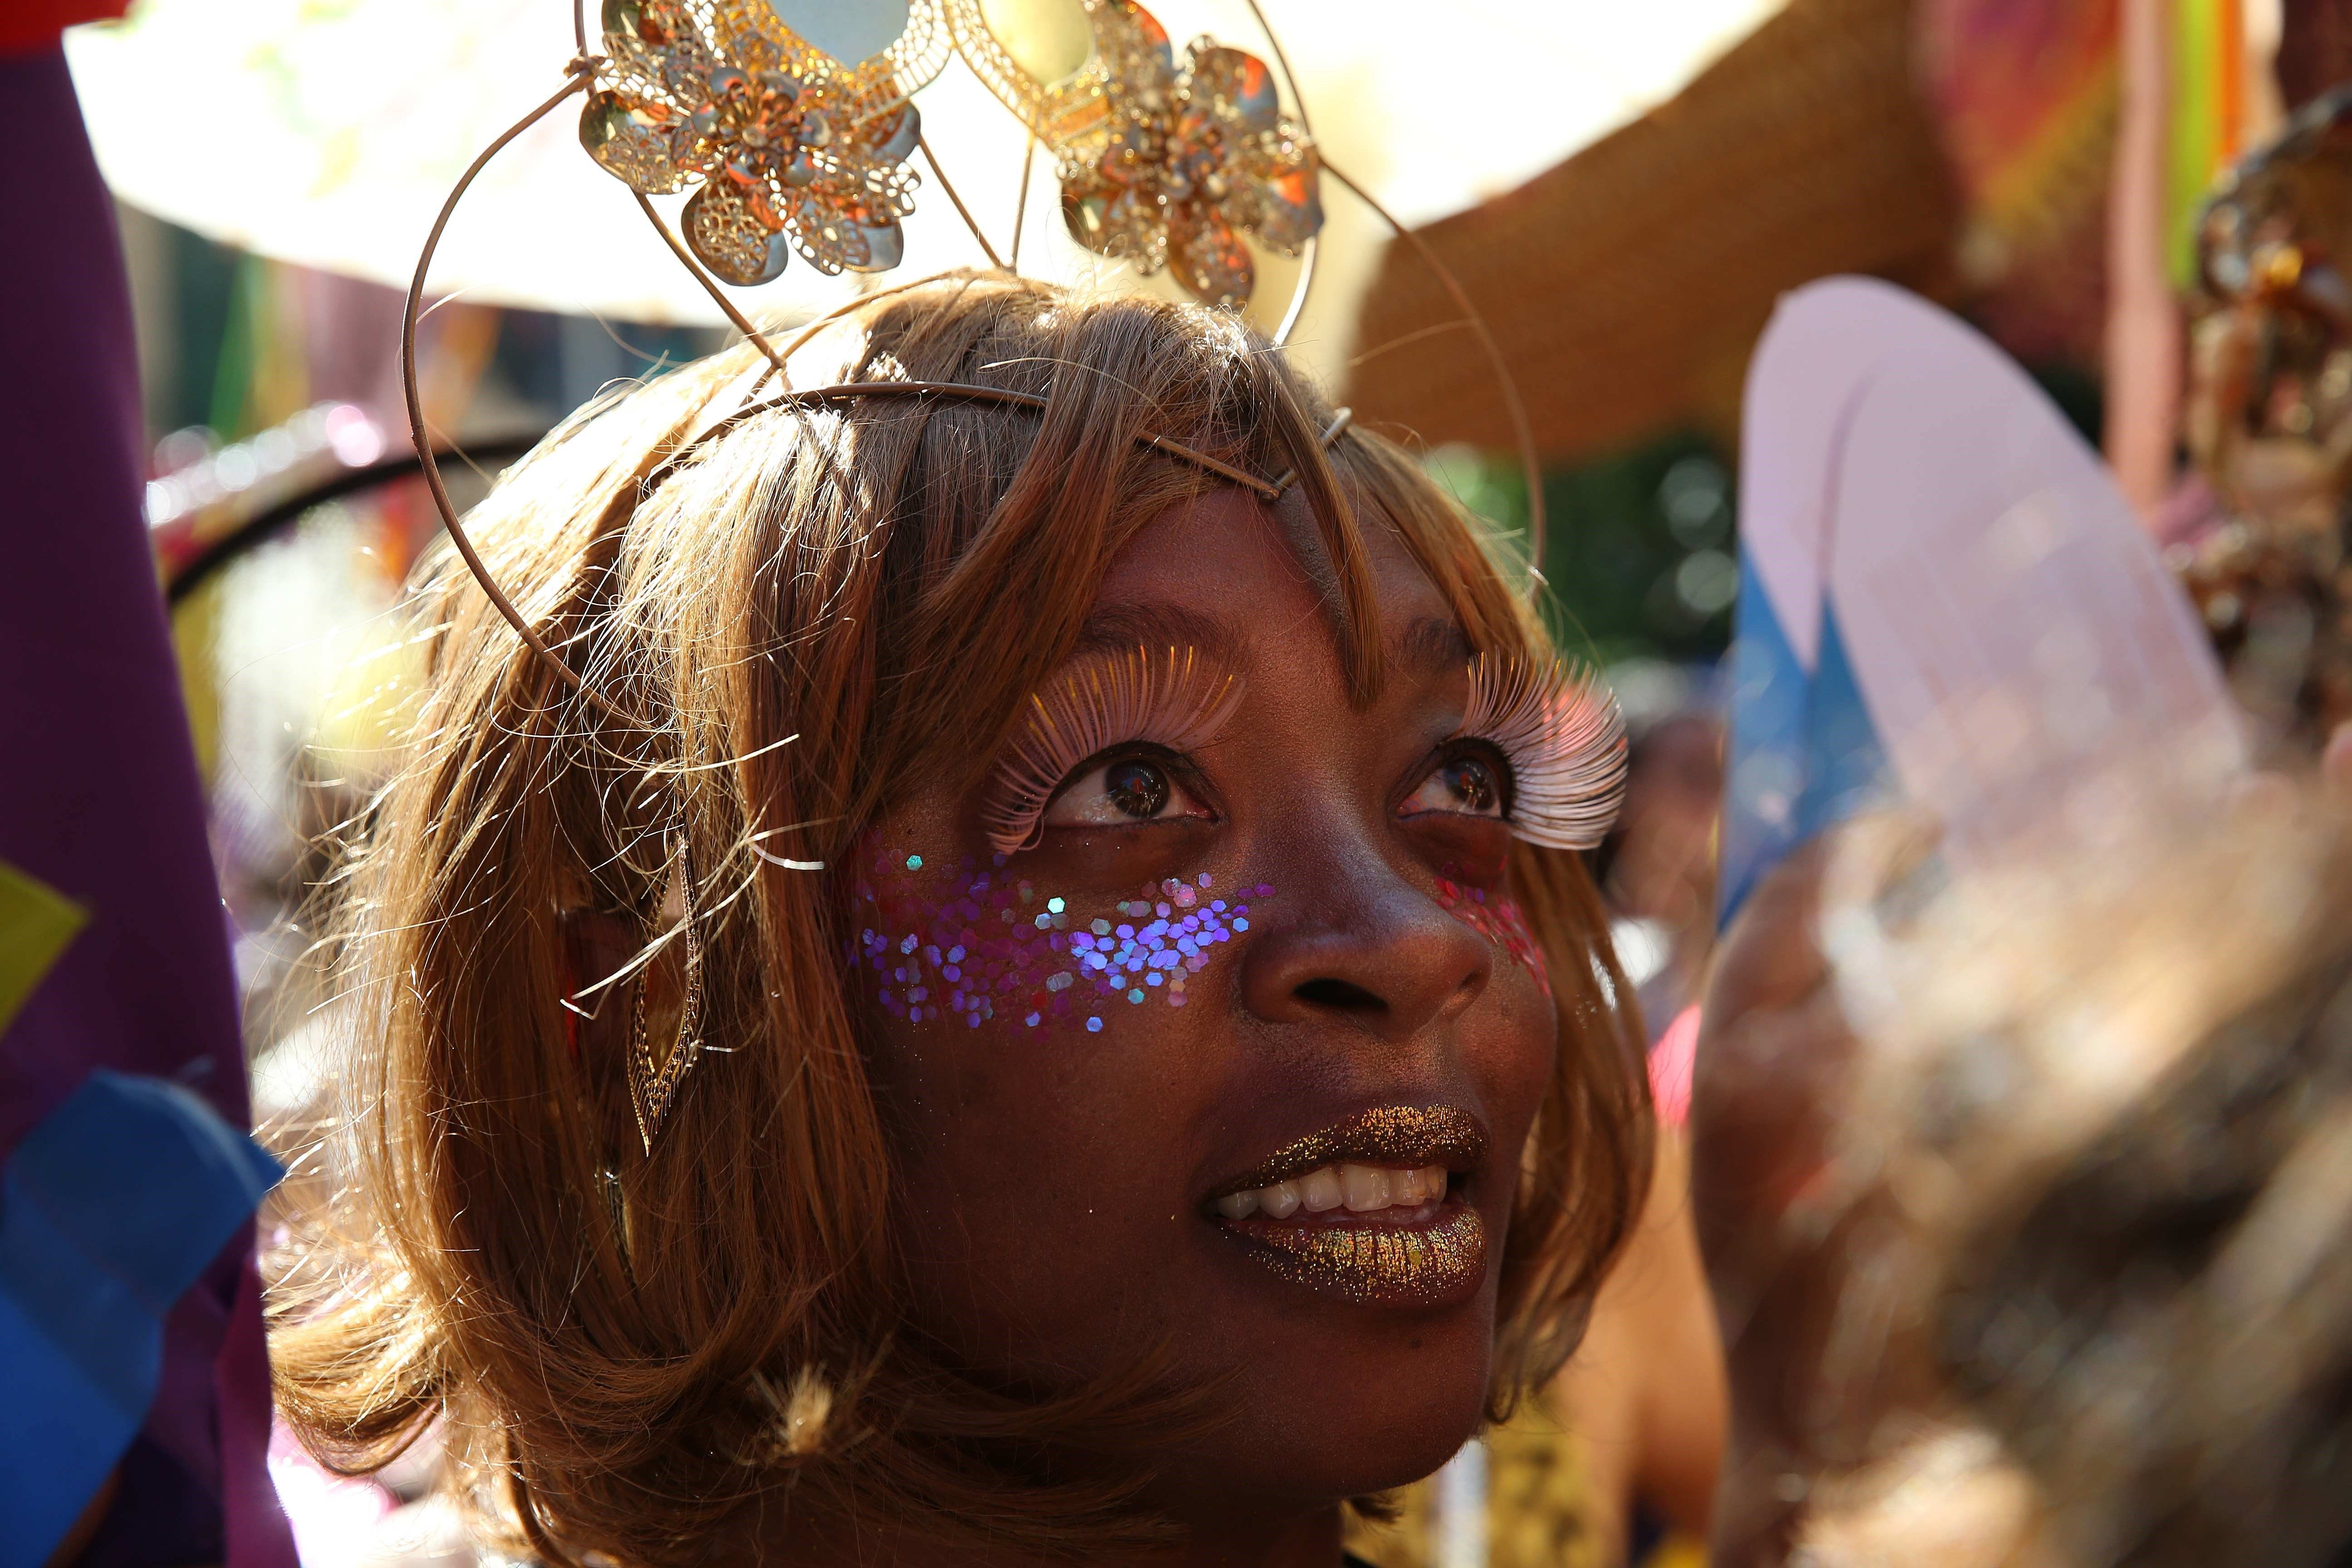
[[328, 133]]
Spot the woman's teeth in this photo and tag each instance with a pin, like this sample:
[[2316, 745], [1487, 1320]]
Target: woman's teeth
[[1360, 1189]]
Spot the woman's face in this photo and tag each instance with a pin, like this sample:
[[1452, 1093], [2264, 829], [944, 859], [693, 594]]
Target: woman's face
[[1229, 1072]]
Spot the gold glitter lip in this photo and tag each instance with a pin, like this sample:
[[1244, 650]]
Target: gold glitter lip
[[1375, 1265], [1400, 1135]]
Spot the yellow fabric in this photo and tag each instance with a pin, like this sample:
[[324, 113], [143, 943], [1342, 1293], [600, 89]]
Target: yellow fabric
[[1677, 1551], [36, 921], [2208, 61], [1537, 1508]]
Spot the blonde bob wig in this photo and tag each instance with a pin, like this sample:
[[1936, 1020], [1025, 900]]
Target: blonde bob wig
[[622, 1352]]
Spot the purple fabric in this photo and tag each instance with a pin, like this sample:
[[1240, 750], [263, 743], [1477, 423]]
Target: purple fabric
[[101, 799], [256, 1530]]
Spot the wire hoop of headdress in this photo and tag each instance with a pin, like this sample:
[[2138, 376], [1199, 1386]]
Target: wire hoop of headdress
[[1299, 290], [581, 73], [578, 73], [577, 76]]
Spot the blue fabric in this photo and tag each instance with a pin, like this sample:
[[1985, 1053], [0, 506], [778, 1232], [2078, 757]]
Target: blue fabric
[[1803, 754], [109, 1208], [1846, 769], [1765, 752]]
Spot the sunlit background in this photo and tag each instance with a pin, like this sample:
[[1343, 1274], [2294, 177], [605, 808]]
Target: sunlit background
[[1624, 190]]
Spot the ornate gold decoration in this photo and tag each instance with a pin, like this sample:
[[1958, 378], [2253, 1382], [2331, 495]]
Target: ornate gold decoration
[[2268, 416], [654, 1079], [1161, 165], [792, 149]]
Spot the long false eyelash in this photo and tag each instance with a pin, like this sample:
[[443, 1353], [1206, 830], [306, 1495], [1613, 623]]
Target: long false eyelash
[[1561, 731], [1176, 698]]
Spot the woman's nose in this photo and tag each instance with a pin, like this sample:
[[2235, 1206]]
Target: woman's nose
[[1361, 944]]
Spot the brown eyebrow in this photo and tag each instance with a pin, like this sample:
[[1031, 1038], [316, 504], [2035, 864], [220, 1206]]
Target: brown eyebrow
[[1430, 647], [1117, 628]]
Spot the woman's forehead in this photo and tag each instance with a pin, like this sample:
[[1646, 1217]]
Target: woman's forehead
[[1220, 571]]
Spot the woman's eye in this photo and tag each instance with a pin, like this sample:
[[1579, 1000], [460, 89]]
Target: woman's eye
[[1128, 790], [1465, 787]]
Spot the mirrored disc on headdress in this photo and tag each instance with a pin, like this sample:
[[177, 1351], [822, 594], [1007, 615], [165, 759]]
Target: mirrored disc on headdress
[[1048, 41], [848, 30], [895, 48]]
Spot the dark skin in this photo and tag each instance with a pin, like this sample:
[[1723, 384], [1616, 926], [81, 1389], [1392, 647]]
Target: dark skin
[[1057, 1187]]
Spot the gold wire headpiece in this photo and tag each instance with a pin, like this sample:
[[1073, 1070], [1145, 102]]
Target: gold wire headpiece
[[1162, 163]]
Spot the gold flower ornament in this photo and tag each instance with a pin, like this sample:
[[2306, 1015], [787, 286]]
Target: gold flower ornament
[[790, 149], [1162, 164]]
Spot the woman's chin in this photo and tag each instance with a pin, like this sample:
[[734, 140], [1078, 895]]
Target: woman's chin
[[1318, 1429], [1345, 1465], [1406, 1456]]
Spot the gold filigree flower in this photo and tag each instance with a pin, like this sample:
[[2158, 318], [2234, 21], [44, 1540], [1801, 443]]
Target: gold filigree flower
[[792, 151], [1161, 165], [1172, 166]]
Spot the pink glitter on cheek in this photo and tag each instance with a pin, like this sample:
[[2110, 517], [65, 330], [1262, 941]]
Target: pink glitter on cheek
[[1498, 919], [983, 942]]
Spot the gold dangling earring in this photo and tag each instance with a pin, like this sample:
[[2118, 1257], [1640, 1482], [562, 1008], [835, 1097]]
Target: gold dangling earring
[[616, 1210], [653, 1083]]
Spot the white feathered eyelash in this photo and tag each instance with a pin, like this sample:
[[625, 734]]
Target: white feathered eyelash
[[1176, 698], [1560, 729]]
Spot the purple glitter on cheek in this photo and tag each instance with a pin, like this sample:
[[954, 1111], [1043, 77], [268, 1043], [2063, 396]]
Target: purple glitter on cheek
[[982, 941]]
